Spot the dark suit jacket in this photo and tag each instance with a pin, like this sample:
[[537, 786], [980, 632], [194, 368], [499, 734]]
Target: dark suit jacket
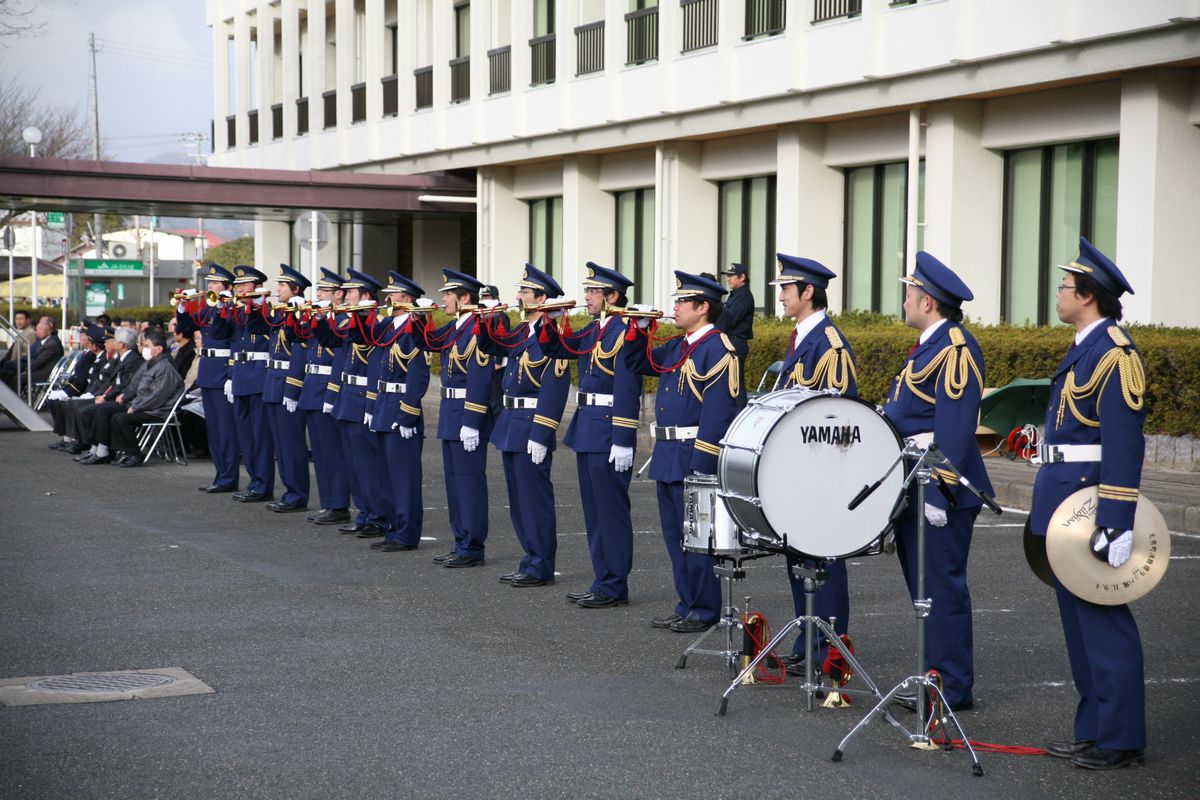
[[47, 355]]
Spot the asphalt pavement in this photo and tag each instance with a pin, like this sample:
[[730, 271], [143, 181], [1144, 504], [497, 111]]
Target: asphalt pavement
[[344, 672]]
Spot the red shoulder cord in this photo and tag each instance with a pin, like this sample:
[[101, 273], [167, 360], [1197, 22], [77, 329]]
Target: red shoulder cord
[[510, 340], [387, 339], [567, 333], [443, 342], [688, 349]]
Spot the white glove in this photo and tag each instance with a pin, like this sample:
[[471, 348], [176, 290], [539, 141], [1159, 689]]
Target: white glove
[[225, 293], [296, 300], [469, 438], [368, 302], [556, 313], [182, 307], [935, 515], [367, 419], [258, 301], [424, 302], [87, 396], [537, 452], [621, 458], [326, 408], [291, 405], [57, 394], [322, 304], [641, 322], [489, 303], [407, 433], [1120, 545], [229, 389]]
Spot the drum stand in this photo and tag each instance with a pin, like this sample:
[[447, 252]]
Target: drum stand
[[730, 619], [927, 460], [813, 578]]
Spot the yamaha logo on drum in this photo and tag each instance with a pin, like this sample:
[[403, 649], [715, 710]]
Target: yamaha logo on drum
[[841, 435]]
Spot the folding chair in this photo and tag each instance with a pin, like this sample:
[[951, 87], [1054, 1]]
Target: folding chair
[[773, 374], [167, 435], [57, 379]]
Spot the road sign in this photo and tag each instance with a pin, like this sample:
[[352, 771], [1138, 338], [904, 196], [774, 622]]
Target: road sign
[[109, 267], [304, 231], [56, 218]]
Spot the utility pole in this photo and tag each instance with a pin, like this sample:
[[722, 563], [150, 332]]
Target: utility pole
[[198, 138], [97, 219]]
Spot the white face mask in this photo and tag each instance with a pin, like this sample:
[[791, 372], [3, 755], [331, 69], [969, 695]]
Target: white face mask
[[147, 353]]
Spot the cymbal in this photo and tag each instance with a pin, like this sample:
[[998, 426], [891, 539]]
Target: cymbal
[[1035, 555], [1087, 577]]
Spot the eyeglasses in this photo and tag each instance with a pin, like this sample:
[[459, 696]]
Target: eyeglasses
[[1063, 286]]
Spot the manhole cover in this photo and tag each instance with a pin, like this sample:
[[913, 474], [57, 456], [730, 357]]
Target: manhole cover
[[111, 682]]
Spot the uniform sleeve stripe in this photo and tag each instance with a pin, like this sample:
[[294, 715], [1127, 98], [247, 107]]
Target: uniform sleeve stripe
[[705, 447], [623, 423], [295, 382], [1123, 497], [1104, 487], [372, 396], [549, 423], [333, 387], [482, 409], [409, 409], [947, 476]]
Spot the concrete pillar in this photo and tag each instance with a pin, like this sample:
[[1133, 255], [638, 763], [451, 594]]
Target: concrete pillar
[[1159, 170], [221, 99], [272, 247], [481, 36], [314, 56], [290, 21], [964, 197], [241, 42], [376, 44], [502, 220], [443, 52], [264, 18], [521, 61], [809, 201], [345, 55], [589, 221], [685, 215]]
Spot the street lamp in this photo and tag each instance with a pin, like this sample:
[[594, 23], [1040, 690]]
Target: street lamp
[[33, 138]]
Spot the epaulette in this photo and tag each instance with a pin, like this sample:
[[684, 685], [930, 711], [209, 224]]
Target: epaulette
[[956, 337], [728, 344], [1118, 336], [835, 341]]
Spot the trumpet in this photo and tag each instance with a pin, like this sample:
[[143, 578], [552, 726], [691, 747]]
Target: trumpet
[[213, 299], [399, 309], [184, 294], [552, 305], [631, 314], [347, 309]]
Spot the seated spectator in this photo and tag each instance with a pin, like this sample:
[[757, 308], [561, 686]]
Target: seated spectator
[[90, 426], [44, 353], [87, 367], [183, 353], [156, 392], [23, 322]]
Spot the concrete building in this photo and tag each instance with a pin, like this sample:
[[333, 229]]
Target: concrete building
[[690, 133]]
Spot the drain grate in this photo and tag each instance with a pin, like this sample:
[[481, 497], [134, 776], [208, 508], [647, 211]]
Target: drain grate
[[109, 682]]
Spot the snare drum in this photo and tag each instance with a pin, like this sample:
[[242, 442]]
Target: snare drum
[[793, 460], [707, 526]]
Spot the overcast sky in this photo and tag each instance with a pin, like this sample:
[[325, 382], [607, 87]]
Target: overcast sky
[[154, 65]]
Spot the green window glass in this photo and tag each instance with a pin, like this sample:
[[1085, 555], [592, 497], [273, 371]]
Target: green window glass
[[462, 30], [876, 235], [546, 235], [1052, 196], [635, 242], [747, 234]]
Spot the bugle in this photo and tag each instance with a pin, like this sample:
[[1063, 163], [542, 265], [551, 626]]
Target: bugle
[[632, 314], [348, 309]]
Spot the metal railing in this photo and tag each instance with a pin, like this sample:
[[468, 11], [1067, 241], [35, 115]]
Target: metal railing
[[424, 86], [358, 102], [542, 53], [766, 17], [277, 121], [701, 24], [19, 352], [391, 95], [253, 114], [301, 116], [641, 36], [825, 10], [330, 101], [460, 79], [589, 48], [231, 131], [500, 69]]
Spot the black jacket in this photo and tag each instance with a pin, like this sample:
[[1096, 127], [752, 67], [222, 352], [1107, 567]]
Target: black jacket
[[737, 318]]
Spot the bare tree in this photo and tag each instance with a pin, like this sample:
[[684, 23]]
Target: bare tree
[[17, 18], [65, 132]]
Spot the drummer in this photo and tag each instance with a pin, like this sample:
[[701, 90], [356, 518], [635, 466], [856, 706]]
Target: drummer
[[697, 399], [818, 357]]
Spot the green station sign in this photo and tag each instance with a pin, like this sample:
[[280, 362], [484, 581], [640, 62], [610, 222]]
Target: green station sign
[[110, 267]]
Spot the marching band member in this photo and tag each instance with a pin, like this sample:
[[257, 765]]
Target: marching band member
[[464, 419], [697, 399], [283, 368], [818, 357], [307, 400], [1093, 437], [401, 376], [937, 393], [603, 434], [212, 375], [535, 394], [251, 338]]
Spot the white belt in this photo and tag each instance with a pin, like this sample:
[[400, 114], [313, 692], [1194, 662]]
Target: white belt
[[250, 356], [593, 399], [394, 388], [674, 432], [318, 369], [453, 394], [520, 402], [214, 352], [1065, 453], [273, 364], [354, 380]]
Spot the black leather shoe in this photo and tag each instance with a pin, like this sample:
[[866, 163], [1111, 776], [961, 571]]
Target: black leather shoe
[[572, 597], [214, 489], [370, 532], [78, 448], [524, 581], [601, 600], [312, 515], [508, 577], [665, 622], [87, 454], [395, 547], [1099, 758], [130, 461], [690, 624], [794, 667], [350, 527], [459, 562], [332, 516], [377, 545], [1069, 749], [253, 497], [93, 460], [59, 445], [444, 557]]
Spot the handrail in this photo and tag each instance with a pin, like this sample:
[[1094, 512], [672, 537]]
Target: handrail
[[19, 342]]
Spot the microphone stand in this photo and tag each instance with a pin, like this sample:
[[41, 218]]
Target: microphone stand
[[927, 461]]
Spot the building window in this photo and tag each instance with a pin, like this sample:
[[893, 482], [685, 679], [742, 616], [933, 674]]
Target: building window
[[747, 234], [875, 235], [546, 235], [1052, 196], [462, 30], [543, 17], [635, 242]]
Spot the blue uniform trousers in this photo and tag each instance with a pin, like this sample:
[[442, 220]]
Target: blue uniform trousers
[[254, 435], [291, 452], [531, 508], [332, 484], [696, 586], [606, 516], [402, 480], [345, 431], [360, 448], [831, 600], [1106, 662], [222, 437], [948, 634], [467, 496]]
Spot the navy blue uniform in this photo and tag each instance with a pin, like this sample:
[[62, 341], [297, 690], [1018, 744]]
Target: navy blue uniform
[[1096, 398], [351, 402], [937, 391], [307, 383], [215, 354], [249, 348], [287, 429]]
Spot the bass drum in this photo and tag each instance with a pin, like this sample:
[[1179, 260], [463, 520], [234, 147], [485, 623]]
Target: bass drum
[[793, 460]]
